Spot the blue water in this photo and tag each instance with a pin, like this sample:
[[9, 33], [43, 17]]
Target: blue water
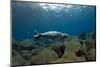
[[72, 19]]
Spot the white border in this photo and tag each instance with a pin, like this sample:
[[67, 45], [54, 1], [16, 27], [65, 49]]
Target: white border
[[4, 33], [85, 2], [5, 39]]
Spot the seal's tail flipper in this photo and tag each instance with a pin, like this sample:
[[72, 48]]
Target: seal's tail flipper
[[36, 37], [35, 32]]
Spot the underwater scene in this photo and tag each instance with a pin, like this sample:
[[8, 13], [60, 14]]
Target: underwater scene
[[52, 33]]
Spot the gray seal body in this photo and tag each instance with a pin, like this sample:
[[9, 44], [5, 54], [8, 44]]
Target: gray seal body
[[50, 35]]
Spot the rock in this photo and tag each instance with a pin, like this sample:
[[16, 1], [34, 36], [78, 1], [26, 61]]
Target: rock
[[59, 50], [90, 44], [82, 36], [44, 57], [58, 47], [15, 41], [91, 36], [69, 54], [88, 50], [79, 53], [91, 55], [87, 36], [36, 50], [25, 54], [19, 60], [28, 53], [72, 46], [27, 44], [55, 44], [69, 57], [14, 52], [15, 45]]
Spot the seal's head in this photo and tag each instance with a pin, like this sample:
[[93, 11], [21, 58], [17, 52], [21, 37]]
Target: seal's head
[[64, 36]]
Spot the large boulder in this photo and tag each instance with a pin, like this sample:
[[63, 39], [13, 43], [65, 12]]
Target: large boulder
[[46, 56], [69, 54]]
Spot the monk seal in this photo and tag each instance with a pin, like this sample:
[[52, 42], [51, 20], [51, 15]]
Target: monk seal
[[54, 35]]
